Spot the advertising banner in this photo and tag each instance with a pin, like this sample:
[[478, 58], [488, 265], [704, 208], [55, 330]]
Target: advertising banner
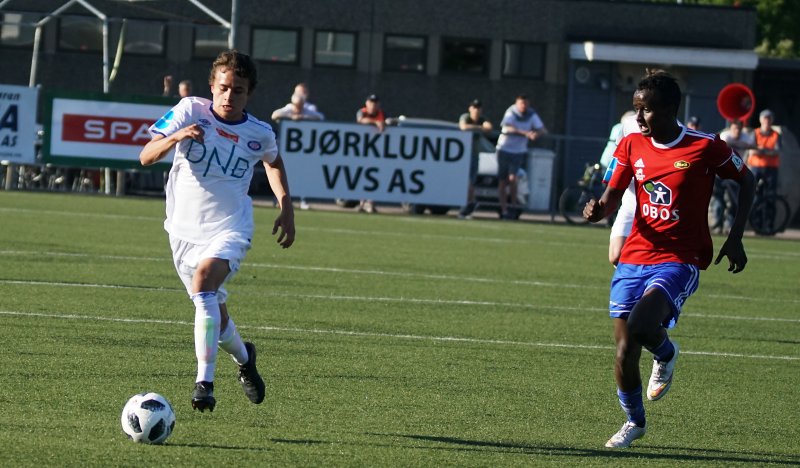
[[100, 130], [18, 106], [354, 162]]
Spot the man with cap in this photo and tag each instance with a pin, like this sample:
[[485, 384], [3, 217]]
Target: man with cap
[[473, 121], [764, 160], [371, 113]]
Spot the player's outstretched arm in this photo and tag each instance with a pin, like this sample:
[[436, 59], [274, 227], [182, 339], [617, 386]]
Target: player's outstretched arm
[[276, 175], [155, 150], [733, 247]]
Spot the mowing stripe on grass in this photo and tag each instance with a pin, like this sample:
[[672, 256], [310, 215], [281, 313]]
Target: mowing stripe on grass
[[382, 335], [382, 273], [387, 299]]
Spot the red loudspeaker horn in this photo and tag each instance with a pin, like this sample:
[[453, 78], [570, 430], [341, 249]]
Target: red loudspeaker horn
[[736, 102]]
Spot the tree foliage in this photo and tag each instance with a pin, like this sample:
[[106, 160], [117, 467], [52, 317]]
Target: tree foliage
[[778, 33]]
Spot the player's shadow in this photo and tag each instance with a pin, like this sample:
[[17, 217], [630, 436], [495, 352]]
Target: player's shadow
[[693, 455]]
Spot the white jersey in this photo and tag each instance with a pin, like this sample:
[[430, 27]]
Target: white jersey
[[515, 143], [208, 182], [623, 223]]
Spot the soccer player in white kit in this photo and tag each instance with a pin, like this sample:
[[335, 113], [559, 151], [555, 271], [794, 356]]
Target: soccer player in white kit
[[209, 215]]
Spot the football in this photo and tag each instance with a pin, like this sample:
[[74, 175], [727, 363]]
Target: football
[[148, 418]]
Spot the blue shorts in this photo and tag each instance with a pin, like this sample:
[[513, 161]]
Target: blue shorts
[[508, 163], [677, 281]]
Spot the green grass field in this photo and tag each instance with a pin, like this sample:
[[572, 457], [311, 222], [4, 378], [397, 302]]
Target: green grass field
[[385, 341]]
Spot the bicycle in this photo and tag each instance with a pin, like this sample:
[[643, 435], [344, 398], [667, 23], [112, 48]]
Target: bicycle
[[770, 213], [574, 198]]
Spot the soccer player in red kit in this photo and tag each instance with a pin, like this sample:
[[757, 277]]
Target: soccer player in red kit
[[673, 169]]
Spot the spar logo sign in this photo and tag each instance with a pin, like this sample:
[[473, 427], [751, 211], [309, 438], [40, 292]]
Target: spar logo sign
[[100, 131], [352, 161]]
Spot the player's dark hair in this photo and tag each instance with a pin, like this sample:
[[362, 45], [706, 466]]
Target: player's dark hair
[[241, 64], [664, 85]]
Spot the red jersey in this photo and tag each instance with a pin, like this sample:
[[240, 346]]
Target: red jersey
[[673, 187]]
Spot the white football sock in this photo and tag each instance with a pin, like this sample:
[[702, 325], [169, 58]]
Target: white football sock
[[206, 334], [231, 343]]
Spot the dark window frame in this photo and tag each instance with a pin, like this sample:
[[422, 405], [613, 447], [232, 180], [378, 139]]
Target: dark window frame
[[6, 45], [485, 43], [297, 48], [60, 33], [542, 64], [164, 37], [408, 36], [316, 64], [194, 41]]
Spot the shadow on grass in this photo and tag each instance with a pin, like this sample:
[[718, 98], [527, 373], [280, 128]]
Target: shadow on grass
[[220, 447], [694, 454]]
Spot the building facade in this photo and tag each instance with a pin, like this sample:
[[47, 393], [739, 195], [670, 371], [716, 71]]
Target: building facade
[[578, 61]]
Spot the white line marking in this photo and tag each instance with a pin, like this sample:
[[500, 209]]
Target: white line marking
[[385, 335], [390, 299]]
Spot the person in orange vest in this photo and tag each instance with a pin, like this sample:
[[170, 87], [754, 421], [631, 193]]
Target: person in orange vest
[[764, 160]]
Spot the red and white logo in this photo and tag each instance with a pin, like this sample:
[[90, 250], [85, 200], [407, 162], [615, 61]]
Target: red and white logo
[[231, 136], [103, 129]]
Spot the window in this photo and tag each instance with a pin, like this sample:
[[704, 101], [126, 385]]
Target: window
[[17, 29], [405, 53], [335, 49], [523, 59], [276, 45], [469, 56], [80, 33], [209, 41], [144, 37]]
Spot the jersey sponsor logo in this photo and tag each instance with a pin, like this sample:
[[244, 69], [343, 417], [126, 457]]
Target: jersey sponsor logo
[[639, 174], [681, 165], [639, 163], [204, 122], [737, 161], [660, 194], [254, 145], [164, 121], [231, 136], [660, 199]]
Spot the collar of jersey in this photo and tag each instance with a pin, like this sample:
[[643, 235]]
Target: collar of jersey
[[228, 122], [671, 143]]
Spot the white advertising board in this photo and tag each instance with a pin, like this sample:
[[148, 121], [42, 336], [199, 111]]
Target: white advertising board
[[102, 132], [18, 106], [352, 161]]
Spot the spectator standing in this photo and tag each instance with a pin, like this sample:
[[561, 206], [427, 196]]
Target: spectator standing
[[764, 160], [520, 124], [298, 109], [725, 191], [184, 87], [473, 121], [694, 123], [371, 114]]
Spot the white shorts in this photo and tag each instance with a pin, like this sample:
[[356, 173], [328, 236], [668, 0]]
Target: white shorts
[[230, 246], [623, 223]]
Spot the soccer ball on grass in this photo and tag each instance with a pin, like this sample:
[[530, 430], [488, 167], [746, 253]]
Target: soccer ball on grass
[[148, 418]]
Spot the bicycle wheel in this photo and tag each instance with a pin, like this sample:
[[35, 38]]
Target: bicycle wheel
[[769, 215], [571, 204]]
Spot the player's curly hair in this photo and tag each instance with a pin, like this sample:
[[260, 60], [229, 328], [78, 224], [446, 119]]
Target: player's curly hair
[[241, 64], [662, 83]]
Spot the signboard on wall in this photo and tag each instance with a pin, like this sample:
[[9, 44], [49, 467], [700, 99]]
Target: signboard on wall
[[18, 106], [353, 161], [97, 130]]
